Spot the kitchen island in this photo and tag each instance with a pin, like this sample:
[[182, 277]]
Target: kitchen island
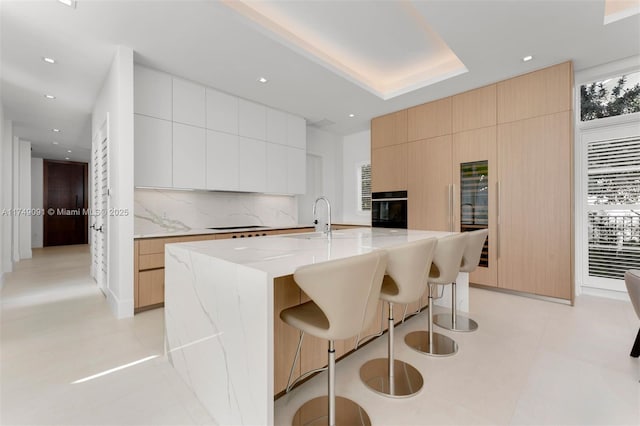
[[219, 310]]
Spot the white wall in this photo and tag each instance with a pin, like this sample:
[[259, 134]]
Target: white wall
[[24, 199], [328, 146], [6, 191], [356, 150], [3, 212], [116, 100], [15, 201], [36, 202]]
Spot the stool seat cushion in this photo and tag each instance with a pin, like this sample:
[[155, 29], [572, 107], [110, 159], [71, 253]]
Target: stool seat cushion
[[307, 317], [447, 259]]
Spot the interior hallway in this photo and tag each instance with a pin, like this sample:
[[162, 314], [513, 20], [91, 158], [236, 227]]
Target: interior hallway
[[530, 362]]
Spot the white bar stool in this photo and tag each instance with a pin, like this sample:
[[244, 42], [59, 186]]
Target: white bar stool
[[470, 261], [344, 295], [407, 271], [444, 270]]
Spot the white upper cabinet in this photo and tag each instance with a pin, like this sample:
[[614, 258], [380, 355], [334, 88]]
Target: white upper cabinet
[[222, 161], [297, 171], [152, 152], [152, 93], [189, 157], [252, 120], [296, 132], [277, 168], [189, 103], [222, 112], [276, 126], [252, 165]]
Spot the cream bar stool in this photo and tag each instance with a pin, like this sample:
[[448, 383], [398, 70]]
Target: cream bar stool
[[470, 261], [344, 295], [407, 272], [444, 270]]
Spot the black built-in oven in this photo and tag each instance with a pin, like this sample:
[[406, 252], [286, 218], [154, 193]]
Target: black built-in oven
[[389, 209]]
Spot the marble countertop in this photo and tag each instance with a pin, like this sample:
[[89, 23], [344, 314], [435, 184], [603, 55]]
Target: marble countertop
[[280, 255], [204, 231]]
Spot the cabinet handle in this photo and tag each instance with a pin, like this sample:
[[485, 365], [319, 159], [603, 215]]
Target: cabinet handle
[[498, 218], [453, 210], [449, 207]]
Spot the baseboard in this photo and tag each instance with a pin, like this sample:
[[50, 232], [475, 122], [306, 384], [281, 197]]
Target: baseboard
[[120, 308], [609, 294]]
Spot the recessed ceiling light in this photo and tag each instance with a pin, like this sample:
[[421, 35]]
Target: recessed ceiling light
[[49, 60], [70, 3], [55, 143], [55, 130], [66, 158], [69, 151], [352, 115], [262, 80], [49, 96], [527, 58]]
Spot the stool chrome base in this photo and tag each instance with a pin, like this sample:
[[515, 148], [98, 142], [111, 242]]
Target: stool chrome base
[[462, 323], [407, 381], [441, 346], [315, 413]]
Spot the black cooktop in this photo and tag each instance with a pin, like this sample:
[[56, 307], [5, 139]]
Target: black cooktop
[[226, 228]]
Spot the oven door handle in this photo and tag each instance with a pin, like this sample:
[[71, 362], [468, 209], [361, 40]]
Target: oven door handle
[[388, 199]]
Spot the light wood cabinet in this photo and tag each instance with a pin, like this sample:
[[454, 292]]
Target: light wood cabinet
[[152, 93], [389, 166], [151, 287], [390, 129], [189, 103], [535, 209], [468, 147], [153, 152], [429, 120], [189, 157], [222, 112], [546, 91], [430, 169], [222, 161], [474, 109]]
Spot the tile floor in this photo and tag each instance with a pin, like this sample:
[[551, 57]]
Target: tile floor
[[531, 362]]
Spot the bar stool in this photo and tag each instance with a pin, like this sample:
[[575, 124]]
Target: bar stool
[[407, 271], [470, 261], [344, 295], [444, 270], [632, 281]]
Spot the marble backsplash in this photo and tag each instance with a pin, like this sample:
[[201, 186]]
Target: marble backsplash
[[158, 211]]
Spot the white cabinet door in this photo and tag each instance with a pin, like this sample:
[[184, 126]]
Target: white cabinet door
[[252, 120], [189, 157], [151, 93], [152, 152], [296, 132], [277, 168], [276, 126], [253, 165], [222, 161], [222, 112], [189, 103], [297, 171]]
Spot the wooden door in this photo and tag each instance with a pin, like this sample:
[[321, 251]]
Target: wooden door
[[389, 168], [65, 203], [535, 198], [469, 149], [429, 184]]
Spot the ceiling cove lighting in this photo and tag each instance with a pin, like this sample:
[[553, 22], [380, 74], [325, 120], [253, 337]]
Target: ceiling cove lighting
[[49, 60], [70, 3], [49, 96], [262, 80], [55, 130], [527, 58]]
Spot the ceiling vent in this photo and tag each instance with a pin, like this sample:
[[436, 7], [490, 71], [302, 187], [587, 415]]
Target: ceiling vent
[[322, 123]]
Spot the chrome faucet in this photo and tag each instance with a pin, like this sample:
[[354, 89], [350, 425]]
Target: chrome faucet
[[326, 200]]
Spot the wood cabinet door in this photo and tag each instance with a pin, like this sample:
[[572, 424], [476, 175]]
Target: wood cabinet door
[[429, 120], [390, 129], [429, 184], [472, 148], [389, 168], [151, 287], [535, 194]]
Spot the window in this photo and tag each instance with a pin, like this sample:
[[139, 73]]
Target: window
[[364, 187], [610, 97]]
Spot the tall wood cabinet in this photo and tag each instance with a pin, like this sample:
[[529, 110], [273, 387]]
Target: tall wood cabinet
[[518, 134]]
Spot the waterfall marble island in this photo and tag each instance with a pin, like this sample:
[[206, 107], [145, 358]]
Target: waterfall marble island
[[221, 299]]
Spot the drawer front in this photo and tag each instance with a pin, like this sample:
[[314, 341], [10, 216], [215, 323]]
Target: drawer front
[[150, 287], [150, 261], [152, 246]]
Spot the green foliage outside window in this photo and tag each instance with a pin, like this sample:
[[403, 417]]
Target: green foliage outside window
[[597, 100]]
